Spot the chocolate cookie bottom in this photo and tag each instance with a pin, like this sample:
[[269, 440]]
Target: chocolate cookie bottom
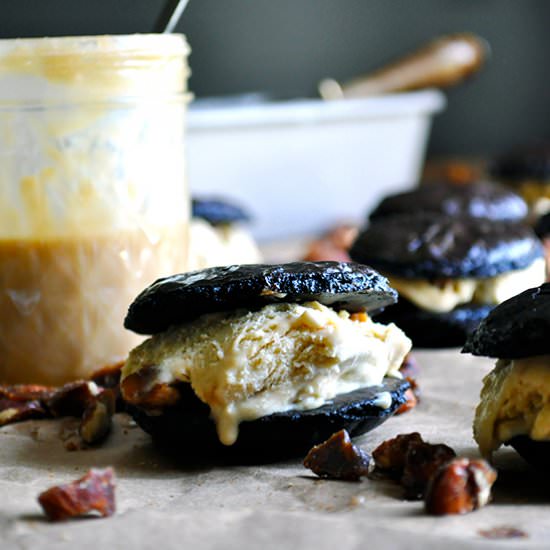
[[187, 430]]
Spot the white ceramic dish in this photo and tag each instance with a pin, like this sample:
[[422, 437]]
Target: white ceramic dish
[[301, 166]]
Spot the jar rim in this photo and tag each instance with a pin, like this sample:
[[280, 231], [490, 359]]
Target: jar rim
[[149, 44]]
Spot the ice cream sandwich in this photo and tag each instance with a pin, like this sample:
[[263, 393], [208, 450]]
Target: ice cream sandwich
[[514, 407], [449, 272], [263, 359]]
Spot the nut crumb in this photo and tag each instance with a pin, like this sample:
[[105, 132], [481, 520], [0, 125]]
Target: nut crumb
[[503, 532], [357, 500]]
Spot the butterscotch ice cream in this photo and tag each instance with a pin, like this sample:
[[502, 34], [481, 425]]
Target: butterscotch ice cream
[[246, 365], [446, 294], [515, 400]]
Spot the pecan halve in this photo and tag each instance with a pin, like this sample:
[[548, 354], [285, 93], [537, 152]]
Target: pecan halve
[[93, 492], [339, 458], [460, 486]]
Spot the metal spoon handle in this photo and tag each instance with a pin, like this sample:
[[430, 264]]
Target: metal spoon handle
[[443, 62], [170, 16]]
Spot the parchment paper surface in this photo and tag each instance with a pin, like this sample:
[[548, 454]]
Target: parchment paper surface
[[163, 505]]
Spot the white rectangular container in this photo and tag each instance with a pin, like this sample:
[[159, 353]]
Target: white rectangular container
[[301, 166]]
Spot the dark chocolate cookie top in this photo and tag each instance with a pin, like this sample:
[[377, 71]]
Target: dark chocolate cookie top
[[517, 328], [531, 162], [184, 297], [426, 246], [218, 211], [479, 200]]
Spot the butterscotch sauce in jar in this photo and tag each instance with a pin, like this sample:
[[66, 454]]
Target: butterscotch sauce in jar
[[93, 200]]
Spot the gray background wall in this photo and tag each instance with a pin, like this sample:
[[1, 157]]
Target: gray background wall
[[285, 46]]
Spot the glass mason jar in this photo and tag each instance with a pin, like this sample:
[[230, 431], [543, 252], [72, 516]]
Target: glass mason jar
[[93, 200]]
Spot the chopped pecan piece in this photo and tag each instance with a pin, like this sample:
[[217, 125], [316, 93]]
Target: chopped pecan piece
[[72, 399], [412, 461], [323, 251], [360, 317], [391, 455], [15, 411], [339, 458], [93, 492], [410, 403], [109, 377], [25, 401], [409, 368], [141, 388], [460, 486], [97, 418], [421, 463], [343, 236], [334, 245], [26, 392]]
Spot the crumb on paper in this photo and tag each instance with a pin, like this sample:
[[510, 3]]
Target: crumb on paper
[[503, 532]]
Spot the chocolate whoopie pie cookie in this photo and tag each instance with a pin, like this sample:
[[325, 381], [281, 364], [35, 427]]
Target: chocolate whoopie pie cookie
[[477, 200], [218, 235], [449, 271], [218, 211], [263, 360], [515, 398]]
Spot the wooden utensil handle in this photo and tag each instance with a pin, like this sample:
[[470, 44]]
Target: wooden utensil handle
[[442, 63]]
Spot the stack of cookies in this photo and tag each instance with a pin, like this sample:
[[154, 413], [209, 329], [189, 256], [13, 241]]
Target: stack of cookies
[[453, 252]]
